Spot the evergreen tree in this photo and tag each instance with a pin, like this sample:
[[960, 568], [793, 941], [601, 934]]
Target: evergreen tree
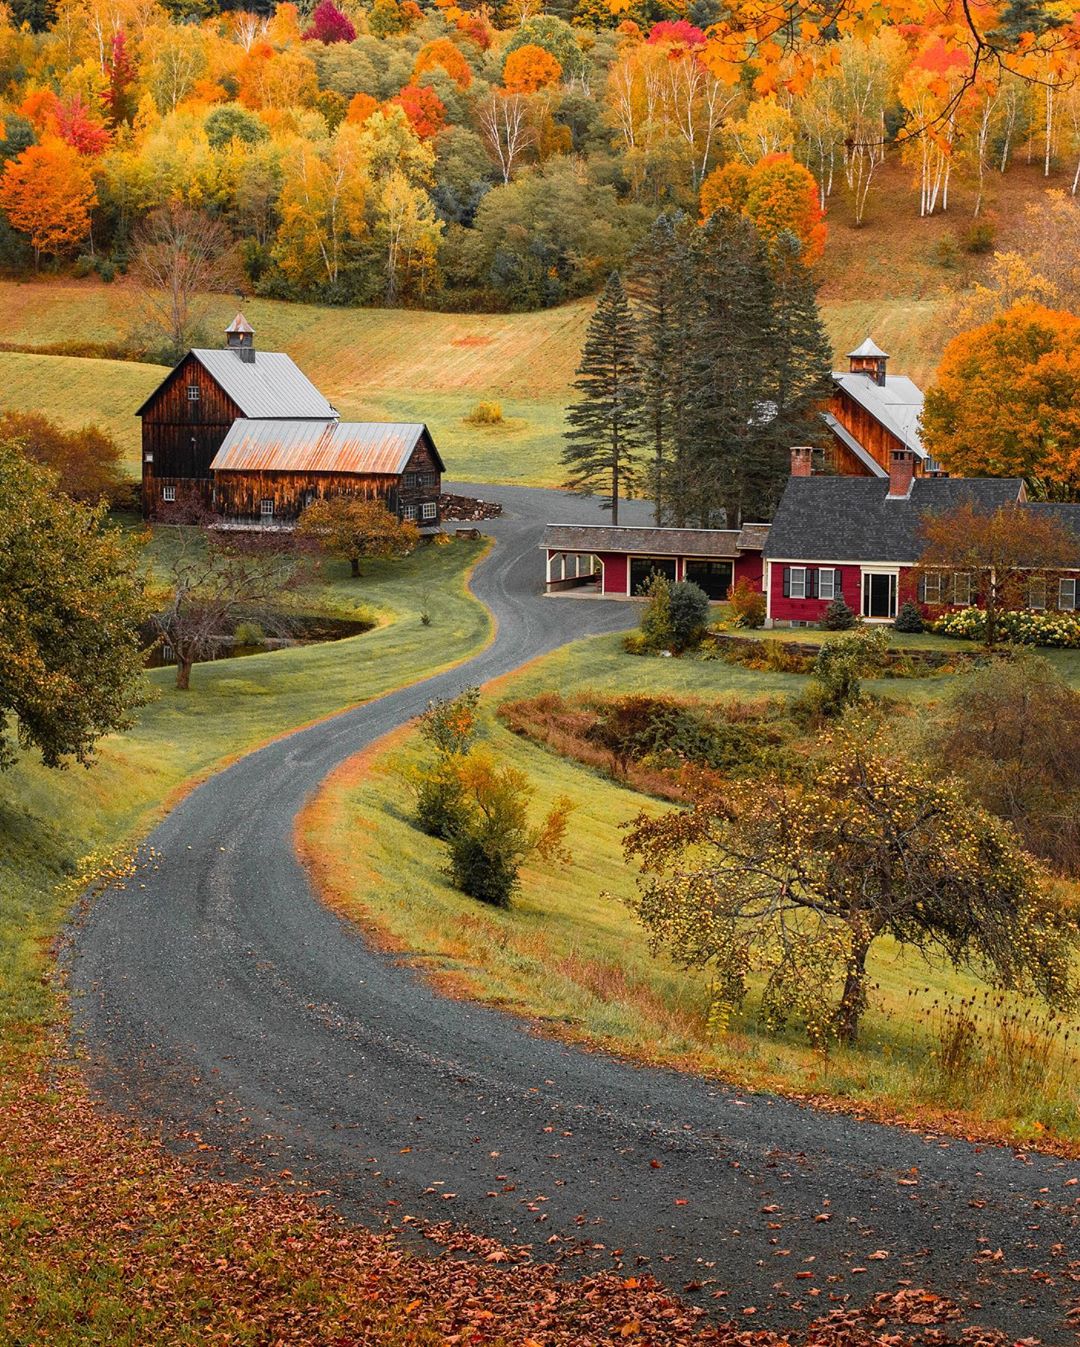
[[605, 436], [801, 365], [730, 359], [658, 286]]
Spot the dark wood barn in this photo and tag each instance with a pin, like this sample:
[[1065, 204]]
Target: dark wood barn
[[187, 417], [267, 471]]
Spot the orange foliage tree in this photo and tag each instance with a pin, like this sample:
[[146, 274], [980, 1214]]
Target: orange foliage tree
[[361, 106], [442, 54], [1006, 401], [529, 68], [424, 109], [47, 193], [777, 194]]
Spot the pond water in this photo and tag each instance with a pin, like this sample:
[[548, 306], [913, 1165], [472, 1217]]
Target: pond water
[[289, 629]]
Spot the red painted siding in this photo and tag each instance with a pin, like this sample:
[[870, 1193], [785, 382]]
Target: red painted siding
[[812, 610], [615, 573], [749, 566]]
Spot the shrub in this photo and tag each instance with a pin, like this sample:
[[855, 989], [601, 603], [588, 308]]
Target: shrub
[[1021, 625], [839, 616], [448, 726], [249, 633], [979, 237], [634, 643], [844, 661], [909, 619], [675, 616], [491, 837], [486, 414], [748, 604]]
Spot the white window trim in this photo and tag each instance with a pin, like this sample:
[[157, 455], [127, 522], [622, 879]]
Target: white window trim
[[408, 512], [826, 573], [266, 509], [933, 583], [1067, 585], [1037, 586], [800, 572], [429, 510], [168, 493], [194, 393], [962, 578]]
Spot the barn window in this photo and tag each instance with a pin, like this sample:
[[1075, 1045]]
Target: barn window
[[428, 478], [409, 512], [1067, 595], [193, 392], [266, 509], [429, 510], [168, 493]]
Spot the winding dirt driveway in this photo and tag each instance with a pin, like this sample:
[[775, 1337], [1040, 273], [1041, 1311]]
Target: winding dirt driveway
[[223, 999]]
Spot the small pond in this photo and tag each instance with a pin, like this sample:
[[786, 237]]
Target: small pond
[[274, 631]]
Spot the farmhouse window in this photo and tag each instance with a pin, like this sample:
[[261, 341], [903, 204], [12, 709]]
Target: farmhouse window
[[962, 589], [193, 392], [409, 512], [932, 587], [794, 582], [1037, 592], [429, 510], [266, 509], [826, 584], [1067, 595], [168, 493]]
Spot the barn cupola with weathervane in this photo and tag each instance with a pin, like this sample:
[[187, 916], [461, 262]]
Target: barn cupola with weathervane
[[240, 337], [869, 359]]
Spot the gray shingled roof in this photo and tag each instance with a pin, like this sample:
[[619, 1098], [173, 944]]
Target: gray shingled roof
[[651, 542], [850, 519], [897, 406], [1066, 514], [268, 385]]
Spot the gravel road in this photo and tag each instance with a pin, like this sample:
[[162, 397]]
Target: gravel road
[[222, 999]]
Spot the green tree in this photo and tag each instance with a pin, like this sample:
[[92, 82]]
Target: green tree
[[71, 603], [796, 884], [605, 435], [843, 662]]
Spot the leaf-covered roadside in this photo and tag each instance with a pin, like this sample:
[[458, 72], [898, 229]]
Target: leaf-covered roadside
[[106, 1237]]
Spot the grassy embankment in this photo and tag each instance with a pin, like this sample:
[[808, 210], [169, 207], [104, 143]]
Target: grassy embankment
[[571, 954]]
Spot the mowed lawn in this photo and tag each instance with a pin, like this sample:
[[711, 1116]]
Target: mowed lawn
[[571, 954], [58, 824], [380, 364]]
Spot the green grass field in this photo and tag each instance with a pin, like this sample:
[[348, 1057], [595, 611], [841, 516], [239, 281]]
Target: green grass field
[[53, 821], [571, 954], [378, 364]]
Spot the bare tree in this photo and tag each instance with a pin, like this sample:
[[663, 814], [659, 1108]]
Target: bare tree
[[504, 124], [214, 580], [181, 254]]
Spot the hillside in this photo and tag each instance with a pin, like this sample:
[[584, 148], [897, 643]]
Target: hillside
[[379, 364]]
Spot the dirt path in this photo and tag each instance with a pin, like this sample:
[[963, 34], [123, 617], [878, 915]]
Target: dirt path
[[223, 999]]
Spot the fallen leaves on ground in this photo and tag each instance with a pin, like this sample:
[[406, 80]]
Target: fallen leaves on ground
[[105, 1236]]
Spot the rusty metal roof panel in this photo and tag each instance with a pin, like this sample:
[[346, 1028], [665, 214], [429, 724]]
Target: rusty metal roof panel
[[266, 384], [380, 448]]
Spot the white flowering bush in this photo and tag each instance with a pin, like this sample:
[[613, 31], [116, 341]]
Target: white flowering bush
[[1021, 625]]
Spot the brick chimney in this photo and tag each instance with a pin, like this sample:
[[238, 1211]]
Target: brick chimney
[[901, 474], [802, 460], [240, 337]]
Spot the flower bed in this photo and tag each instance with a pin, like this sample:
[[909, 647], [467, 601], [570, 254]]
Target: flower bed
[[1021, 625]]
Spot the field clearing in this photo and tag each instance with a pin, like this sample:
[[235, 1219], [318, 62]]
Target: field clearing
[[570, 953], [380, 364]]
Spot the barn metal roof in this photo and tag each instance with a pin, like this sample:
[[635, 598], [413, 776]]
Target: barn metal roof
[[897, 406], [655, 542], [266, 384], [375, 447]]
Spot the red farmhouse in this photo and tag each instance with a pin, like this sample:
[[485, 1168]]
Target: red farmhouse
[[859, 537]]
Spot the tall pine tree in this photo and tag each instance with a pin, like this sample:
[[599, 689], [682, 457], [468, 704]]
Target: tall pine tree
[[661, 294], [603, 444]]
